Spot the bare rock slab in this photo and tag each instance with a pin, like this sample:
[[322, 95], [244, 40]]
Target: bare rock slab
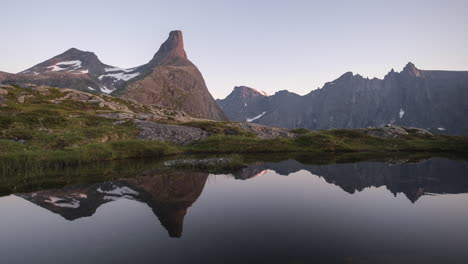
[[169, 133]]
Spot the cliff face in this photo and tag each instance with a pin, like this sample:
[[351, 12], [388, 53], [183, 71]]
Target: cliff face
[[433, 100], [172, 81]]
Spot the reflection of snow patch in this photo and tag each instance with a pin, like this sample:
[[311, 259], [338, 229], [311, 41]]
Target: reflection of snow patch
[[255, 118], [402, 112], [118, 191], [59, 202], [441, 129]]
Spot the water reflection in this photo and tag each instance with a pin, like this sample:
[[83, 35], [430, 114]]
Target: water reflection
[[171, 194], [434, 176]]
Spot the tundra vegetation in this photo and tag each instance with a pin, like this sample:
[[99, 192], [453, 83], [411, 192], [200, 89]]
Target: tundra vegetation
[[43, 127]]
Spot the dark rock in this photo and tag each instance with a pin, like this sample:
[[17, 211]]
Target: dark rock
[[264, 132], [173, 133]]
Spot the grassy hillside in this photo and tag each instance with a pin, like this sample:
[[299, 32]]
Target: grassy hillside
[[45, 127]]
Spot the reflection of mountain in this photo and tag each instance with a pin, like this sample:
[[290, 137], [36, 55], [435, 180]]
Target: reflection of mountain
[[169, 195], [435, 176]]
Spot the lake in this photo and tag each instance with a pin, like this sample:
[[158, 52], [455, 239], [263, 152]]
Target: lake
[[268, 212]]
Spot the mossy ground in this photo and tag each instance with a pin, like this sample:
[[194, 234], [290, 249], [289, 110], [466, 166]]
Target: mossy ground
[[40, 133]]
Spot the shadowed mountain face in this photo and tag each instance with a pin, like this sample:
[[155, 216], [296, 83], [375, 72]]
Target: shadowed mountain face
[[168, 195], [169, 79], [434, 100]]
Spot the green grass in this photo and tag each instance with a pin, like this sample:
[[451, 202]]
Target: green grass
[[219, 128], [40, 133]]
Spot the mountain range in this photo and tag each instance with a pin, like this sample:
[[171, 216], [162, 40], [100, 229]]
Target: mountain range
[[433, 100], [169, 79]]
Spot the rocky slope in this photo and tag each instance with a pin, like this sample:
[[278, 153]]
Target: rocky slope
[[169, 80], [433, 100], [173, 81]]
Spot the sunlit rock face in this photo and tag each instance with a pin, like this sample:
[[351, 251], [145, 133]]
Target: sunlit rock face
[[173, 81], [432, 100]]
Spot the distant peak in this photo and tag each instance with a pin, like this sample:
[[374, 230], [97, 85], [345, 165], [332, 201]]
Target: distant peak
[[346, 75], [75, 51], [248, 90], [411, 69], [172, 50]]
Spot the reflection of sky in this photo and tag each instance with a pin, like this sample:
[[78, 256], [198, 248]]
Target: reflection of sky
[[270, 45], [276, 217]]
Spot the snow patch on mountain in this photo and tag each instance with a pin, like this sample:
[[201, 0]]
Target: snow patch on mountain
[[65, 65], [121, 76], [106, 90], [117, 69], [255, 118], [402, 112]]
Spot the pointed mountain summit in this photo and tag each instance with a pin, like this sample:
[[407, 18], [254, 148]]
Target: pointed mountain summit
[[410, 69], [171, 52], [173, 81]]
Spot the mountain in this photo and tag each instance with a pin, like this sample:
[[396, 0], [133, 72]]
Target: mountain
[[75, 69], [168, 80], [434, 100], [4, 75], [173, 81]]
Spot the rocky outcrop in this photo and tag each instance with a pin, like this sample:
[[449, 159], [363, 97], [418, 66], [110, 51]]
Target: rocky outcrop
[[433, 100], [172, 81], [178, 134], [394, 131], [264, 132]]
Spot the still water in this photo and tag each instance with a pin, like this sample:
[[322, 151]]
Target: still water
[[283, 212]]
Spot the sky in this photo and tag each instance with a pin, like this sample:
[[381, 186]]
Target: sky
[[269, 45]]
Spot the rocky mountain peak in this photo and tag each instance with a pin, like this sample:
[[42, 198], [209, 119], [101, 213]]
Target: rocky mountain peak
[[410, 69], [244, 91], [172, 51]]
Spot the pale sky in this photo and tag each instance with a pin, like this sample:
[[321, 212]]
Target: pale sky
[[265, 44]]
